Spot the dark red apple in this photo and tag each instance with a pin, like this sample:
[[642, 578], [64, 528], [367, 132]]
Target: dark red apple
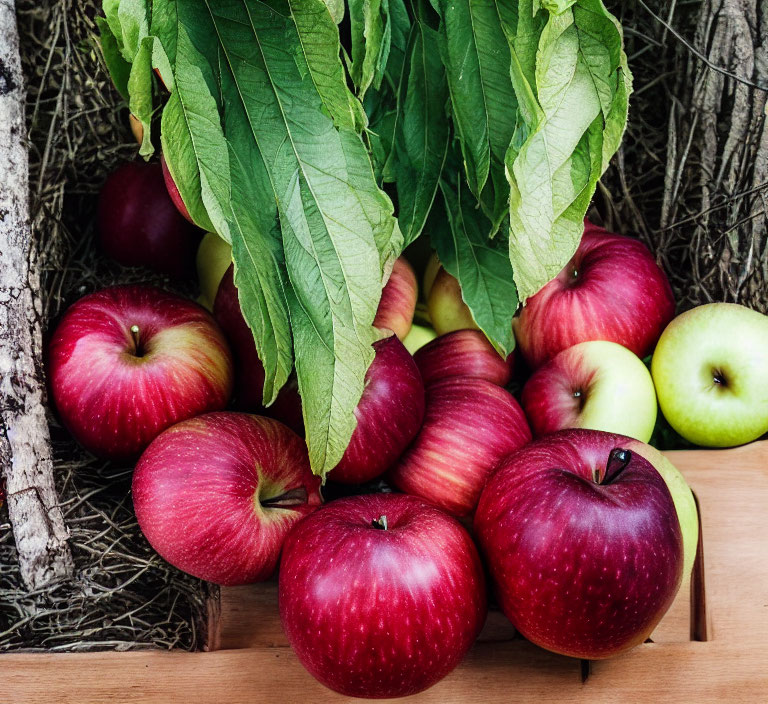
[[612, 289], [463, 353], [583, 543], [389, 414], [380, 595], [470, 425], [398, 300], [216, 495], [249, 371], [129, 361], [173, 191], [139, 226]]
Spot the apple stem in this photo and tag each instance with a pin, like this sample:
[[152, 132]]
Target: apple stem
[[136, 337], [380, 523], [618, 461]]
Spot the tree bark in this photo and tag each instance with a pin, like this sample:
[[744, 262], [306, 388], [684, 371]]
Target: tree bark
[[25, 448]]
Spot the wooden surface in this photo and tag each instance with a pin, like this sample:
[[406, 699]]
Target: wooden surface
[[255, 663]]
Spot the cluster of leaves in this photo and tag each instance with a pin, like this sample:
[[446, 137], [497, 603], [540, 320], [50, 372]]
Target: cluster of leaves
[[284, 121]]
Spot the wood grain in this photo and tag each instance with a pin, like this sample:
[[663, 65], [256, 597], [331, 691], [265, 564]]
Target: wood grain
[[256, 664]]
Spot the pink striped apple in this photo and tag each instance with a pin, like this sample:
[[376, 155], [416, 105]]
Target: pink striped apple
[[612, 289], [129, 361], [463, 353], [216, 495], [469, 426], [598, 385], [398, 300], [380, 595]]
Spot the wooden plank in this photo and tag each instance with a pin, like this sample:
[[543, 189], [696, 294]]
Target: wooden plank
[[732, 488]]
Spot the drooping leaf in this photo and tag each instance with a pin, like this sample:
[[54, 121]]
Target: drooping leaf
[[371, 40], [573, 112], [336, 8], [118, 67], [480, 264]]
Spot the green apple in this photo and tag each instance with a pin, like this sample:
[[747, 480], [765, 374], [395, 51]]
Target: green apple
[[447, 309], [710, 369], [596, 385], [418, 336], [214, 256]]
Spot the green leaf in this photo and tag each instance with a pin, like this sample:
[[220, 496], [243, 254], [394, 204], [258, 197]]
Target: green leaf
[[133, 18], [477, 59], [480, 264], [118, 67], [572, 114], [140, 88], [422, 132], [336, 8], [371, 39]]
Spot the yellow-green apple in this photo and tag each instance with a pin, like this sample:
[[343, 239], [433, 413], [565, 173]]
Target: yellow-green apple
[[127, 362], [418, 336], [469, 426], [583, 543], [447, 309], [138, 224], [430, 272], [216, 495], [398, 300], [214, 257], [611, 289], [249, 371], [598, 385], [380, 595], [463, 353], [388, 415], [136, 128], [711, 374]]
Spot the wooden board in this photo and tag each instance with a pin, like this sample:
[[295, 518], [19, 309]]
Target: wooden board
[[255, 663]]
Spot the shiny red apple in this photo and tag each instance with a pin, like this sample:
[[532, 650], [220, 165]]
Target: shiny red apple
[[173, 191], [129, 361], [216, 495], [612, 289], [582, 541], [463, 353], [470, 425], [388, 415], [380, 595], [398, 300], [249, 371], [138, 224]]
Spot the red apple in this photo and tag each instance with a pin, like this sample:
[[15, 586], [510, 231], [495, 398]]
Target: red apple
[[447, 309], [216, 495], [380, 595], [138, 224], [173, 190], [129, 361], [612, 289], [470, 425], [398, 300], [249, 371], [583, 543], [463, 353], [389, 414]]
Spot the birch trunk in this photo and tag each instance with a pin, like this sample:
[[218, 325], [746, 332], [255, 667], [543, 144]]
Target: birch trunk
[[25, 447]]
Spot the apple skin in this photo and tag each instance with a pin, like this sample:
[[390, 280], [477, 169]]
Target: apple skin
[[447, 309], [249, 371], [582, 568], [136, 128], [430, 272], [597, 385], [463, 353], [711, 374], [419, 336], [138, 224], [214, 257], [398, 300], [612, 289], [380, 613], [216, 495], [115, 401], [173, 191], [389, 414], [470, 425]]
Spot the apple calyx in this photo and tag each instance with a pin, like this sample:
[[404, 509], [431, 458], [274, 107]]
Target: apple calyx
[[288, 499], [380, 523], [719, 378], [618, 461]]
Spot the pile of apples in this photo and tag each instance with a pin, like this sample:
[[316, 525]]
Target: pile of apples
[[584, 530]]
